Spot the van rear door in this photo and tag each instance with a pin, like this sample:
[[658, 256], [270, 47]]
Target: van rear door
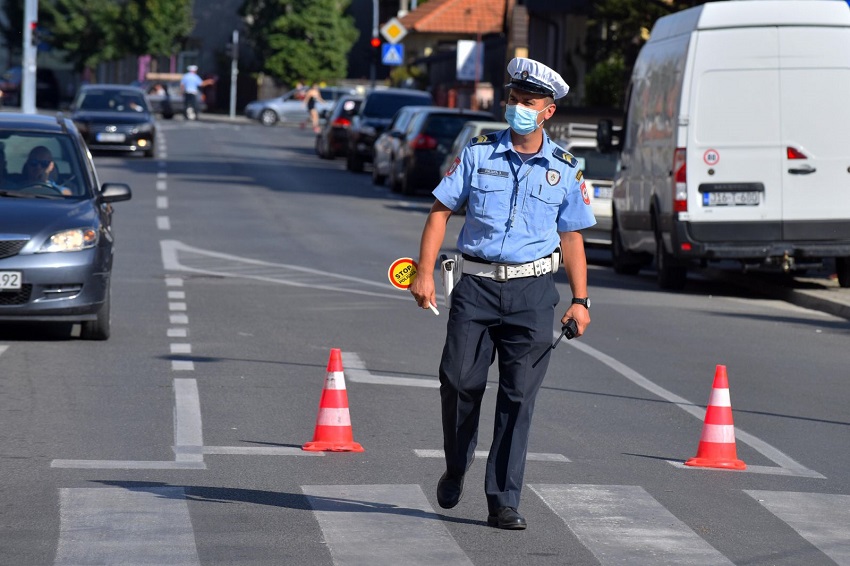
[[734, 150], [815, 103]]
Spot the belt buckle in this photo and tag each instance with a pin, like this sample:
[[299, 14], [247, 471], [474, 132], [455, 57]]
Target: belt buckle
[[501, 272]]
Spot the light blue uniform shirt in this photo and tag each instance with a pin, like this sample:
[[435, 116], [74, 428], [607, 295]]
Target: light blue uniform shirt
[[191, 82], [514, 210]]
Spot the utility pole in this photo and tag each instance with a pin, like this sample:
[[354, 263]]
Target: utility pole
[[373, 63], [234, 72], [30, 52]]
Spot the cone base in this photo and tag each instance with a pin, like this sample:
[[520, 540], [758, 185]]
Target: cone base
[[716, 463], [325, 446]]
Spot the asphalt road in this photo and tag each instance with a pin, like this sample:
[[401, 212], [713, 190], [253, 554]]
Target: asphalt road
[[243, 259]]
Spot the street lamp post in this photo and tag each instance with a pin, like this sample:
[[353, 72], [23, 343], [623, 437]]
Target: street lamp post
[[29, 57]]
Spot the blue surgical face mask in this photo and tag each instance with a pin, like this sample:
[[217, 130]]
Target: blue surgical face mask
[[522, 120]]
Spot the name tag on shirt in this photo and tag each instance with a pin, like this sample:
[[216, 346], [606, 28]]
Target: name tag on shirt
[[493, 172]]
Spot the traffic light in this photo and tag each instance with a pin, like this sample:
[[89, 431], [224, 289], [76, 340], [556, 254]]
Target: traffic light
[[35, 38], [375, 44]]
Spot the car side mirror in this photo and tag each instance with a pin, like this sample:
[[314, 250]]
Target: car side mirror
[[115, 192]]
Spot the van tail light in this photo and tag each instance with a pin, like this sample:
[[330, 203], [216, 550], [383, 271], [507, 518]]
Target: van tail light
[[680, 177], [423, 142], [794, 153], [341, 123]]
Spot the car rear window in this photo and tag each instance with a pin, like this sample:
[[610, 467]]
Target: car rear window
[[111, 100], [445, 127], [385, 105]]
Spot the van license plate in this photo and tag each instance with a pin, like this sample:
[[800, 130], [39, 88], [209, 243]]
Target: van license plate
[[602, 192], [749, 198], [10, 280]]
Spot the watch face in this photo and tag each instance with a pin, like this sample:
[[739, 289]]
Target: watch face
[[585, 302]]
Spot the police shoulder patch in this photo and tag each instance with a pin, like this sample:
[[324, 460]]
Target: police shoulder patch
[[488, 138], [564, 156]]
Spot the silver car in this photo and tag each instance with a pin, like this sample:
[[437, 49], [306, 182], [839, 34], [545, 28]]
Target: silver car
[[290, 108], [56, 240]]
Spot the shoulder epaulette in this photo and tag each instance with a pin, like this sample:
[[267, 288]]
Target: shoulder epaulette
[[564, 156], [489, 138]]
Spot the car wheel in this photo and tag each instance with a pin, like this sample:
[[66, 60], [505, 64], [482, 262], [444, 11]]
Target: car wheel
[[672, 275], [842, 268], [148, 153], [99, 328], [377, 178], [623, 262], [268, 117]]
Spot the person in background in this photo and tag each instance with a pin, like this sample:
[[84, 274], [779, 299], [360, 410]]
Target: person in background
[[190, 86], [311, 98]]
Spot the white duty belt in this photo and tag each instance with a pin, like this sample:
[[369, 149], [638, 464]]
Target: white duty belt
[[505, 271]]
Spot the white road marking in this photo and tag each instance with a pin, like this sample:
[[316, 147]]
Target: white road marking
[[161, 185], [173, 282], [111, 525], [162, 202], [163, 223], [177, 295], [197, 260], [623, 524], [126, 465], [178, 319], [178, 332], [188, 435], [823, 519], [382, 524], [179, 306], [182, 365], [162, 175], [355, 370], [787, 465], [482, 455], [181, 348], [3, 349], [259, 451]]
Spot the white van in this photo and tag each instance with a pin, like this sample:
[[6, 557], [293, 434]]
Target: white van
[[736, 141]]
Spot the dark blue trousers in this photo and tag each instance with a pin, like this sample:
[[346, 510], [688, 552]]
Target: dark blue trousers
[[512, 320]]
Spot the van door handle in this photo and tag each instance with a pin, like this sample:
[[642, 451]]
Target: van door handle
[[804, 170]]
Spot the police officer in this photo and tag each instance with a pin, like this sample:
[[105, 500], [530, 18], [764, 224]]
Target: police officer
[[525, 200]]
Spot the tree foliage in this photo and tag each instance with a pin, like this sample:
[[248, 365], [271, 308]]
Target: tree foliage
[[94, 31], [300, 40]]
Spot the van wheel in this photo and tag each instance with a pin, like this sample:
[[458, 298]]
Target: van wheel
[[624, 263], [671, 274], [842, 268]]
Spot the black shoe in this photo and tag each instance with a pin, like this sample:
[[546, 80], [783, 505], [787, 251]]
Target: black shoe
[[507, 518], [450, 487]]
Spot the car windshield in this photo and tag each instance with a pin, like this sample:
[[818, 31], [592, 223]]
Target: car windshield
[[41, 165], [597, 165], [386, 105], [111, 101]]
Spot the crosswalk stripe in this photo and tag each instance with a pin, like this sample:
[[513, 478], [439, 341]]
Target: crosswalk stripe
[[482, 455], [623, 524], [356, 372], [823, 519], [125, 526], [382, 524]]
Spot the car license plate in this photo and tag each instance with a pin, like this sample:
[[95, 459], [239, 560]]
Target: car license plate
[[748, 198], [602, 192], [110, 137], [10, 280]]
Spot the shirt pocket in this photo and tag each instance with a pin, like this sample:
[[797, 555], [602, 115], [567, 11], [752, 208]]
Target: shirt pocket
[[543, 205], [489, 196]]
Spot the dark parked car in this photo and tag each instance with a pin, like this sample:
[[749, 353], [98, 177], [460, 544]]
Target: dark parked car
[[332, 139], [46, 88], [115, 118], [163, 90], [424, 146], [374, 116], [387, 145], [56, 240]]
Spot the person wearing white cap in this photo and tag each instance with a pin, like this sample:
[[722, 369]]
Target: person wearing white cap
[[526, 203], [190, 86]]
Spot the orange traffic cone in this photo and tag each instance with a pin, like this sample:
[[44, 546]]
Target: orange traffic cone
[[717, 443], [333, 425]]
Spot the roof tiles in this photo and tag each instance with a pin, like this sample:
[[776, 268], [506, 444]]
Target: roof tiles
[[457, 16]]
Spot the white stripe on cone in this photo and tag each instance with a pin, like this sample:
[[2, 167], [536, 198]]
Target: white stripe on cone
[[720, 398], [333, 417], [724, 434], [335, 380]]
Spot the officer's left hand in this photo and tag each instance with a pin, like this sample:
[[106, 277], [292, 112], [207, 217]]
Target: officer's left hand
[[580, 314]]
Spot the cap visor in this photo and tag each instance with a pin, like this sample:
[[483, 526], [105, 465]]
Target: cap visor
[[531, 87]]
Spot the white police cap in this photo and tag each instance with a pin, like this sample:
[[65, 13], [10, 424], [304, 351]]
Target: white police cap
[[532, 76], [192, 68]]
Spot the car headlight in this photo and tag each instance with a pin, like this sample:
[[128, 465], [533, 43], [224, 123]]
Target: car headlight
[[71, 240]]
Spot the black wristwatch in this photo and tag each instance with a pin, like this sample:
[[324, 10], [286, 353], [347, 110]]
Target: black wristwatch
[[585, 302]]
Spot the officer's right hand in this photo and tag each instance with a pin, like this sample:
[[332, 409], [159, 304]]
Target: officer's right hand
[[423, 290]]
